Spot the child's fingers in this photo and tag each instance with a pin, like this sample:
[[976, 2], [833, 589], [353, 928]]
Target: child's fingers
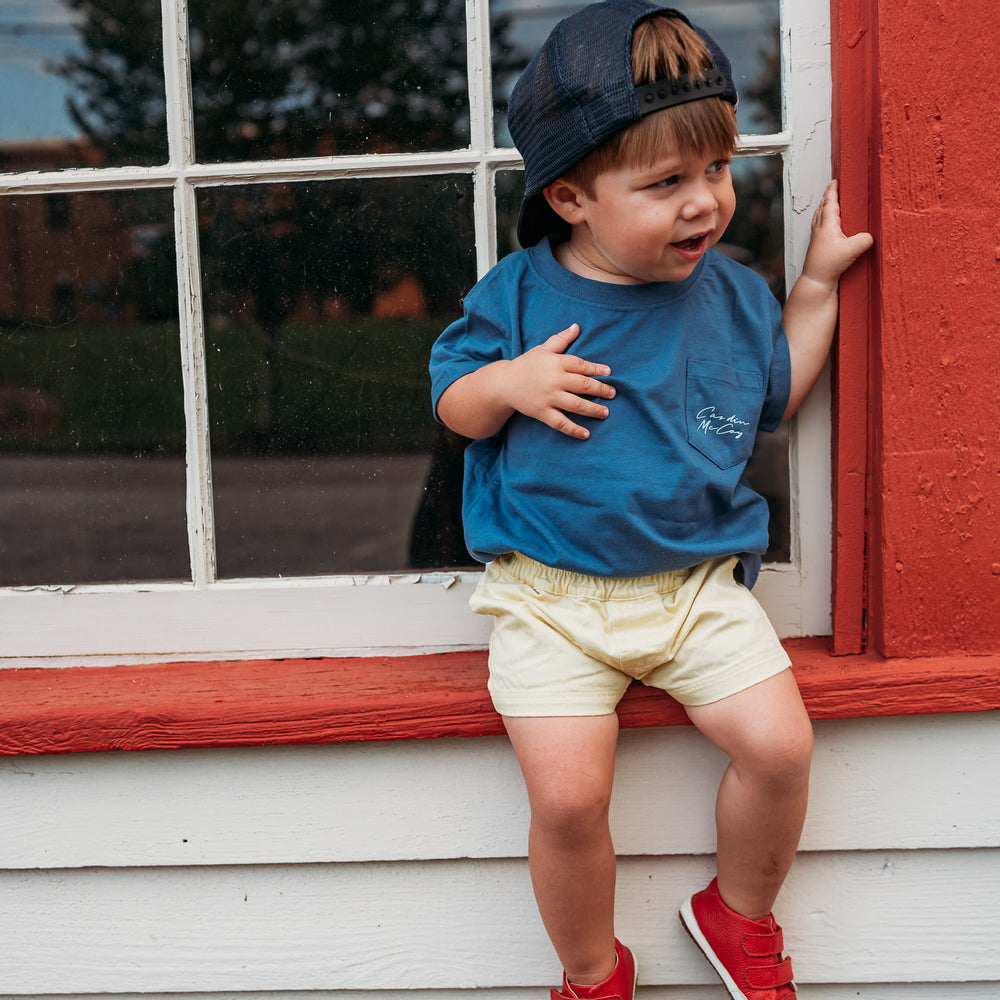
[[829, 207], [859, 243], [589, 370], [588, 386], [557, 420], [560, 341], [559, 417]]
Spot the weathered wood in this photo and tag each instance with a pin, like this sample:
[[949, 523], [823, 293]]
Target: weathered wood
[[387, 926], [847, 991], [453, 798], [853, 52], [297, 701]]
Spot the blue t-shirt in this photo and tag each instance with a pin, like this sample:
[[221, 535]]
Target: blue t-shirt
[[698, 367]]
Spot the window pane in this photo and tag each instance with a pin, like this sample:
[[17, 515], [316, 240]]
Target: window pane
[[749, 33], [83, 84], [322, 301], [747, 30], [91, 406], [756, 238], [327, 77]]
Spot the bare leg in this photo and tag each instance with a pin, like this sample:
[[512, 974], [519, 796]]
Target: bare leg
[[762, 799], [568, 767]]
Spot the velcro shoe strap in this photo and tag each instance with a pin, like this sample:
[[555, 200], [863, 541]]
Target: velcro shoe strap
[[771, 977], [759, 945]]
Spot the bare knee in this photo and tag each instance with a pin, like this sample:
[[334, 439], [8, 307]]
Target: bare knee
[[571, 813], [568, 767], [781, 759]]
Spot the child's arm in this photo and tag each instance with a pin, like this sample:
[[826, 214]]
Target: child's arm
[[810, 313], [544, 383]]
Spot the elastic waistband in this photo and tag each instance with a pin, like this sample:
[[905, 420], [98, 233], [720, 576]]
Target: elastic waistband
[[567, 583]]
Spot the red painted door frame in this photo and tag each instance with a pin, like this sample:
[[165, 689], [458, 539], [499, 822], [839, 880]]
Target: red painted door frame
[[916, 446], [854, 43]]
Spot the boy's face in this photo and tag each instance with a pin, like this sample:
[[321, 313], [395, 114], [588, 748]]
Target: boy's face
[[650, 223]]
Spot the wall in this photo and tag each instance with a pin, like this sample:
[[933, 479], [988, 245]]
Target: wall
[[917, 145], [369, 870]]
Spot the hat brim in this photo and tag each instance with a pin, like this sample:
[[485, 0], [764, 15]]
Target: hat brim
[[536, 220]]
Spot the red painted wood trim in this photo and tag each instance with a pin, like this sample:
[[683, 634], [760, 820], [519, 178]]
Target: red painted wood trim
[[855, 81], [265, 702]]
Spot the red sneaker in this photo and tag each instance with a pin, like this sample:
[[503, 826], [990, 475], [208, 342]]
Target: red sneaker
[[620, 985], [745, 953]]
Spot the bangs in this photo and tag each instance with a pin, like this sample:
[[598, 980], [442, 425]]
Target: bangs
[[706, 128]]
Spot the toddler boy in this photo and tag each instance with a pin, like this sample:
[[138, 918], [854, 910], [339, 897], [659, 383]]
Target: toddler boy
[[605, 488]]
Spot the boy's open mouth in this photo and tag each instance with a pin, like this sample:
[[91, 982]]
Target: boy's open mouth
[[692, 244]]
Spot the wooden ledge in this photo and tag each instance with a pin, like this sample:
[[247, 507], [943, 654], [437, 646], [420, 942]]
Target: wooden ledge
[[270, 702]]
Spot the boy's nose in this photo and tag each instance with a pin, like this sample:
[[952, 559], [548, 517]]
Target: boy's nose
[[701, 200]]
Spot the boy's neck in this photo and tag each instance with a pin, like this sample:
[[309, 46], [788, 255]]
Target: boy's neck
[[572, 255]]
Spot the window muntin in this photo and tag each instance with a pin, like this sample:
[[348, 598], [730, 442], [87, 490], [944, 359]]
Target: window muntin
[[442, 618]]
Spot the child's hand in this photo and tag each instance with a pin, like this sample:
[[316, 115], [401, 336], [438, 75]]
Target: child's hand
[[810, 312], [547, 383], [830, 252]]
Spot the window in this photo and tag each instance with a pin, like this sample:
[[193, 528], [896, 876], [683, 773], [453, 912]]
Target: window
[[58, 206], [214, 419]]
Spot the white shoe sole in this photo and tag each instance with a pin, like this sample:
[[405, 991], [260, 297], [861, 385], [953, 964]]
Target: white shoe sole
[[691, 926]]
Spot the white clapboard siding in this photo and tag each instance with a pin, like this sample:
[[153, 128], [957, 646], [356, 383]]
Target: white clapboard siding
[[847, 991], [383, 870], [437, 925], [918, 782]]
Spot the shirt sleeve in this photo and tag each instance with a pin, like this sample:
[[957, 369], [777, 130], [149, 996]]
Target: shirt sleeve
[[465, 346]]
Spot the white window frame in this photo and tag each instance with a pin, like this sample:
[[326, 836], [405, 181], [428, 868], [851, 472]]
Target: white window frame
[[403, 613]]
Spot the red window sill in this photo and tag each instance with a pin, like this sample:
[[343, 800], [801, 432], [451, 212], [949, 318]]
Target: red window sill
[[267, 702]]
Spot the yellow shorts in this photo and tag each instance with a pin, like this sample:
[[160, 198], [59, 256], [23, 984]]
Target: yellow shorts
[[566, 644]]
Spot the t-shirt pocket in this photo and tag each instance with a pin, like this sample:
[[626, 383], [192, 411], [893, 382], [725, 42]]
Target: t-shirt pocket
[[722, 410]]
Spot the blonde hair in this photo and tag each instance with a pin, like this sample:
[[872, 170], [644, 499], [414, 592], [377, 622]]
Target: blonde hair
[[664, 48]]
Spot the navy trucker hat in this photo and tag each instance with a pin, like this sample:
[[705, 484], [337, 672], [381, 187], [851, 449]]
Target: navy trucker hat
[[578, 92]]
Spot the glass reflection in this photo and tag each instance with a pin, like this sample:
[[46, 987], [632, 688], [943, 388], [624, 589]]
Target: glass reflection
[[755, 238], [327, 77], [83, 82], [269, 80], [91, 407], [34, 34], [322, 302], [747, 30]]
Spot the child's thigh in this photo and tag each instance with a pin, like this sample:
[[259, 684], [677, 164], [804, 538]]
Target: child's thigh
[[765, 725], [568, 762]]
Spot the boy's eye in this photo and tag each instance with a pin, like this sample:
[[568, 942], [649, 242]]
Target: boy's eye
[[668, 181], [717, 167]]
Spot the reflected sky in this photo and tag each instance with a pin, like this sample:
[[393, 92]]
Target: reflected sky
[[735, 24], [33, 35]]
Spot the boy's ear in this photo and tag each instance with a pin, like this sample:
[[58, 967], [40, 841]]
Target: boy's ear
[[564, 198]]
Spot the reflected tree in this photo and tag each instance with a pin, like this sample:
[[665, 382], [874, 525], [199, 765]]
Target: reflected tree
[[278, 77], [281, 78]]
